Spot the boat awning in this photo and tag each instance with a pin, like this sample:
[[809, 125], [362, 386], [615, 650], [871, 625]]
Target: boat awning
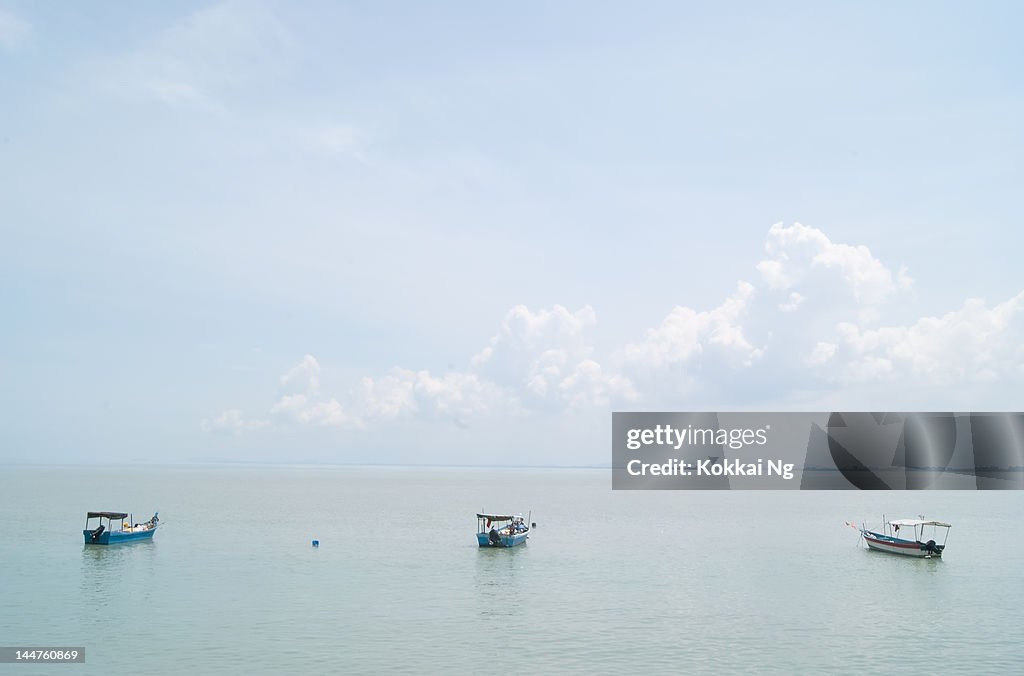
[[919, 522], [107, 515], [496, 517]]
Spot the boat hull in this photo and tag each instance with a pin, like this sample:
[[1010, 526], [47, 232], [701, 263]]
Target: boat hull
[[891, 545], [117, 537], [504, 540]]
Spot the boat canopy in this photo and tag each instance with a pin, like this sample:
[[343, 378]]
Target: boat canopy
[[498, 517], [107, 515], [919, 522]]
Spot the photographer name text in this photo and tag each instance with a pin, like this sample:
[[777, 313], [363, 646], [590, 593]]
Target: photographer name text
[[711, 467]]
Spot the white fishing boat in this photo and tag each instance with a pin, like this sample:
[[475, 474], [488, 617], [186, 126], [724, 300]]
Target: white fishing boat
[[502, 530], [895, 537]]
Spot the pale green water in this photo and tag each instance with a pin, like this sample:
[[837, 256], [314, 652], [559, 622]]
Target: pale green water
[[712, 582]]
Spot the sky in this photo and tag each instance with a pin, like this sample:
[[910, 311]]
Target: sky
[[464, 233]]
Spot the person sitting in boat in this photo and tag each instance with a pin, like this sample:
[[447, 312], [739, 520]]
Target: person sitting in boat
[[493, 536]]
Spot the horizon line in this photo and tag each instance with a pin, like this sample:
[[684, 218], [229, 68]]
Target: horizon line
[[199, 463]]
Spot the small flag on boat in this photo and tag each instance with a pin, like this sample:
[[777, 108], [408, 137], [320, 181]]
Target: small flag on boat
[[852, 525]]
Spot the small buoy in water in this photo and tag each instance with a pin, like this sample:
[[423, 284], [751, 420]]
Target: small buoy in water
[[316, 543]]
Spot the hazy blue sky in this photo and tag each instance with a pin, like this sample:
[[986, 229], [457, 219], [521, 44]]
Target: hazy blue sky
[[409, 232]]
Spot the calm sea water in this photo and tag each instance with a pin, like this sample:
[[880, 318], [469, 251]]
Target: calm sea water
[[710, 582]]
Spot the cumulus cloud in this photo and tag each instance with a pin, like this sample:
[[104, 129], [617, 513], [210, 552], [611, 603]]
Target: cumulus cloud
[[590, 387], [524, 332], [797, 253], [746, 348], [301, 401], [822, 353], [289, 403], [686, 334], [792, 304], [546, 358], [974, 343], [454, 396], [304, 376], [538, 360], [328, 413]]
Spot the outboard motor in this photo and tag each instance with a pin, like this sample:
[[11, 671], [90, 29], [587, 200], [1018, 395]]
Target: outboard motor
[[98, 532], [931, 547], [493, 537]]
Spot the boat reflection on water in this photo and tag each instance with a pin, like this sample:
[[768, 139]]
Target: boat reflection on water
[[116, 575]]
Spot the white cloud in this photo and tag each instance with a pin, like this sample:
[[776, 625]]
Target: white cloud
[[793, 303], [544, 356], [538, 360], [523, 330], [975, 343], [589, 387], [15, 32], [822, 353], [797, 252], [747, 348], [302, 402], [231, 421], [774, 272], [328, 413], [304, 376], [454, 396], [685, 334], [387, 397], [289, 403]]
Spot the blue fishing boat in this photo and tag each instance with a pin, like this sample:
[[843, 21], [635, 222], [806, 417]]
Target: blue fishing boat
[[501, 530], [119, 527]]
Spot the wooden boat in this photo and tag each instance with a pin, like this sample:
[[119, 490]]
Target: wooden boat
[[501, 530], [117, 529], [891, 542]]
